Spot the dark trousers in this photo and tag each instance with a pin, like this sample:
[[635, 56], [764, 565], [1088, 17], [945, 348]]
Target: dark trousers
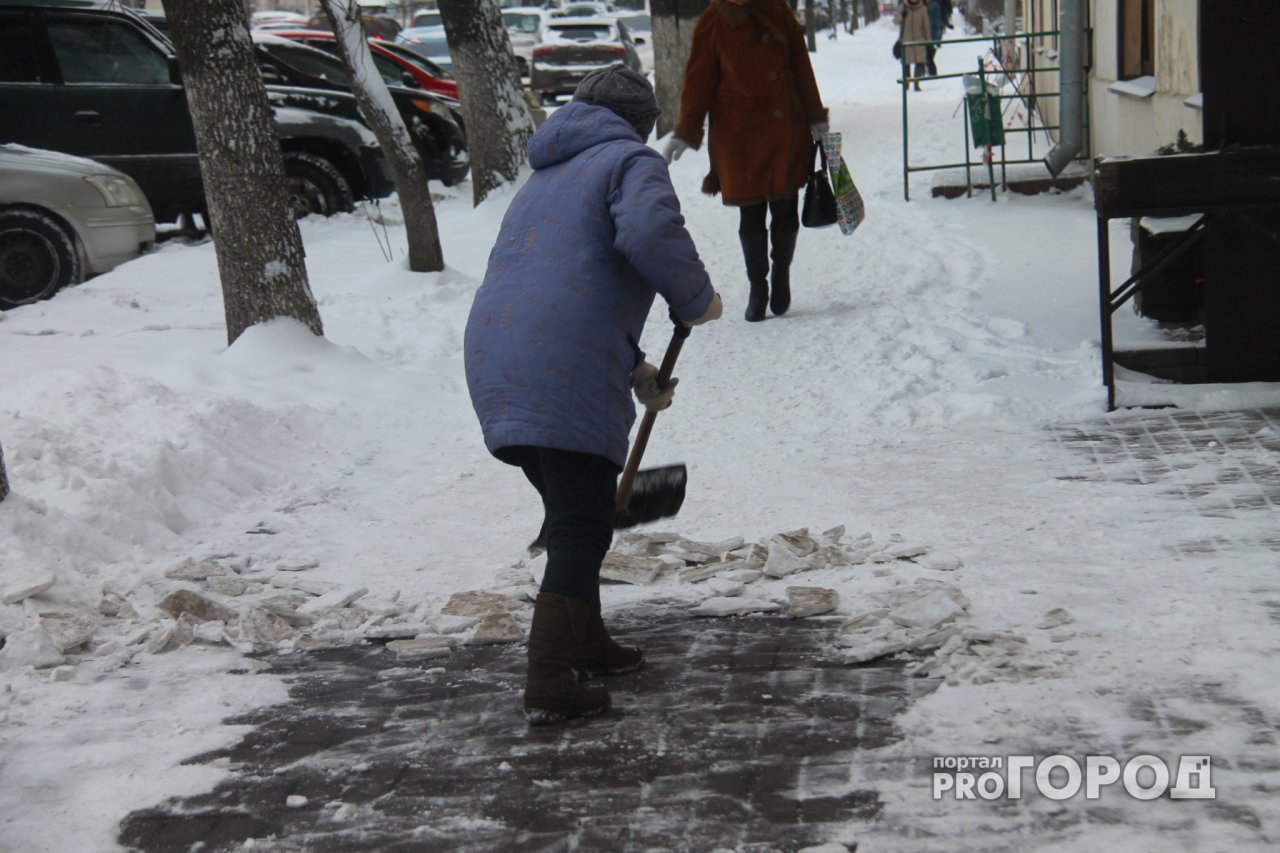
[[578, 492], [784, 211]]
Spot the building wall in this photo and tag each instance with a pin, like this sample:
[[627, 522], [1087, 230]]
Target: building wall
[[1122, 123]]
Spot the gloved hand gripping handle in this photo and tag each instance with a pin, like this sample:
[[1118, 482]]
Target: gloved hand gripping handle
[[678, 335]]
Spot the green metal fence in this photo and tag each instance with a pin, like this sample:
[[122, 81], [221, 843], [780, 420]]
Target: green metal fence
[[1006, 143]]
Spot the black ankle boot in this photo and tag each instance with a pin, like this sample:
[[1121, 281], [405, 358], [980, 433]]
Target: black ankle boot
[[784, 249], [755, 251]]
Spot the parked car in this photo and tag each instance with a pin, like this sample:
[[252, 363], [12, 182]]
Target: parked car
[[429, 42], [574, 47], [398, 65], [310, 76], [102, 83], [62, 219], [524, 26]]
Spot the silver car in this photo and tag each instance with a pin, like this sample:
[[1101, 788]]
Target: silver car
[[62, 219]]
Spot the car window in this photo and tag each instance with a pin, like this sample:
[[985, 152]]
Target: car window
[[93, 50], [306, 61], [434, 48], [18, 63], [417, 60], [582, 32], [427, 19], [387, 68], [524, 22]]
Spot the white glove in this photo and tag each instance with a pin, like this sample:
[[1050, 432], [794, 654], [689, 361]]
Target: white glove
[[646, 388], [818, 130], [713, 312], [675, 147]]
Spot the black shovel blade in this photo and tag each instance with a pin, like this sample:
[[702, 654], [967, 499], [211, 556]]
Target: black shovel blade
[[656, 493]]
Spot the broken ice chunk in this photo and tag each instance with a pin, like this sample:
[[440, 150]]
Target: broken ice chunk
[[734, 607], [421, 648], [23, 581], [940, 564], [928, 611], [201, 607], [725, 588], [799, 541], [498, 628], [479, 603], [333, 600], [634, 570], [811, 601], [782, 561]]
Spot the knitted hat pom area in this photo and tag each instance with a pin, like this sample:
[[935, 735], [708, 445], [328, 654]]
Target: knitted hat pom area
[[623, 91]]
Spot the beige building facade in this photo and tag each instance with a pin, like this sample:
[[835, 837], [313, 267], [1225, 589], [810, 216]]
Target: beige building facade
[[1144, 83]]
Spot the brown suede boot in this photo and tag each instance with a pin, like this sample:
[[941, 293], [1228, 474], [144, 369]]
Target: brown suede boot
[[552, 693], [602, 656]]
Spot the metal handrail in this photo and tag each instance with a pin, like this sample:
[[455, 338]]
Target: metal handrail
[[1029, 99]]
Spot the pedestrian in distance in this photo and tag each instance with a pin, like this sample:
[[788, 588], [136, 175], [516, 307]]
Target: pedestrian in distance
[[912, 19], [552, 356], [749, 74], [936, 25]]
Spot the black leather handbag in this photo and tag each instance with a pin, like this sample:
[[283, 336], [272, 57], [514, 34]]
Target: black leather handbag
[[819, 210]]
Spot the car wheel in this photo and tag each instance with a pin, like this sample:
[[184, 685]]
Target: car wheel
[[315, 185], [38, 255]]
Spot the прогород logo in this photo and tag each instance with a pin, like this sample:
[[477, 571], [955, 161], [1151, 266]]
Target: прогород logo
[[1060, 777]]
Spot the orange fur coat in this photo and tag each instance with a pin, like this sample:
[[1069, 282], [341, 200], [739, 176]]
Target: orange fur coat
[[749, 73]]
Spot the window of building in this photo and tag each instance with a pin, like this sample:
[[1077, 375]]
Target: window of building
[[1137, 38]]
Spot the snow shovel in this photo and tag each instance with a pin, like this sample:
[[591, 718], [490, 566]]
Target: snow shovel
[[655, 492]]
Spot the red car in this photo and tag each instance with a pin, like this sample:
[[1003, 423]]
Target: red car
[[396, 63]]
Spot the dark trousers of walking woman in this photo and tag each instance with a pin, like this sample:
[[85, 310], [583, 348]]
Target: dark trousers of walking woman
[[567, 638], [769, 286]]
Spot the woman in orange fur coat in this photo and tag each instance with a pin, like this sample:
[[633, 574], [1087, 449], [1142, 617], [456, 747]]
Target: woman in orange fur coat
[[749, 73]]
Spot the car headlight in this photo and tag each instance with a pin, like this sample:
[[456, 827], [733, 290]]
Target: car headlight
[[115, 190]]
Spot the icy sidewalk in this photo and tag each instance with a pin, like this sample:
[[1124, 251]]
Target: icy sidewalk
[[733, 737]]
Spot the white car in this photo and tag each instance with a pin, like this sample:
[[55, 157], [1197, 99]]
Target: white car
[[524, 25], [62, 219]]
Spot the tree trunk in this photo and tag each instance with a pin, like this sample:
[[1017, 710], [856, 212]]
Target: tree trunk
[[673, 22], [259, 249], [4, 478], [493, 104], [380, 113], [811, 26]]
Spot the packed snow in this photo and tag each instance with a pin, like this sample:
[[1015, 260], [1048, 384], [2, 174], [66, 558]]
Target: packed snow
[[883, 453]]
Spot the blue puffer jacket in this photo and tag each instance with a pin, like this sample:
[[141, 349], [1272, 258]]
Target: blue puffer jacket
[[551, 345]]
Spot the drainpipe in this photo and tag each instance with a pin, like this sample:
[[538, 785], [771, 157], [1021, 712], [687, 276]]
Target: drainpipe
[[1071, 87]]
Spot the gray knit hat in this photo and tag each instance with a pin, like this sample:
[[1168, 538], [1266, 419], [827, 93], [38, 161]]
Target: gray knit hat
[[625, 92]]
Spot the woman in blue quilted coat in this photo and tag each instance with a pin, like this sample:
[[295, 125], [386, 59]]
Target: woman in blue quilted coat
[[552, 355]]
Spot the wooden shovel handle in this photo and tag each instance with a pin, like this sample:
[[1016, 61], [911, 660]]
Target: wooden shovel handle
[[678, 334]]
